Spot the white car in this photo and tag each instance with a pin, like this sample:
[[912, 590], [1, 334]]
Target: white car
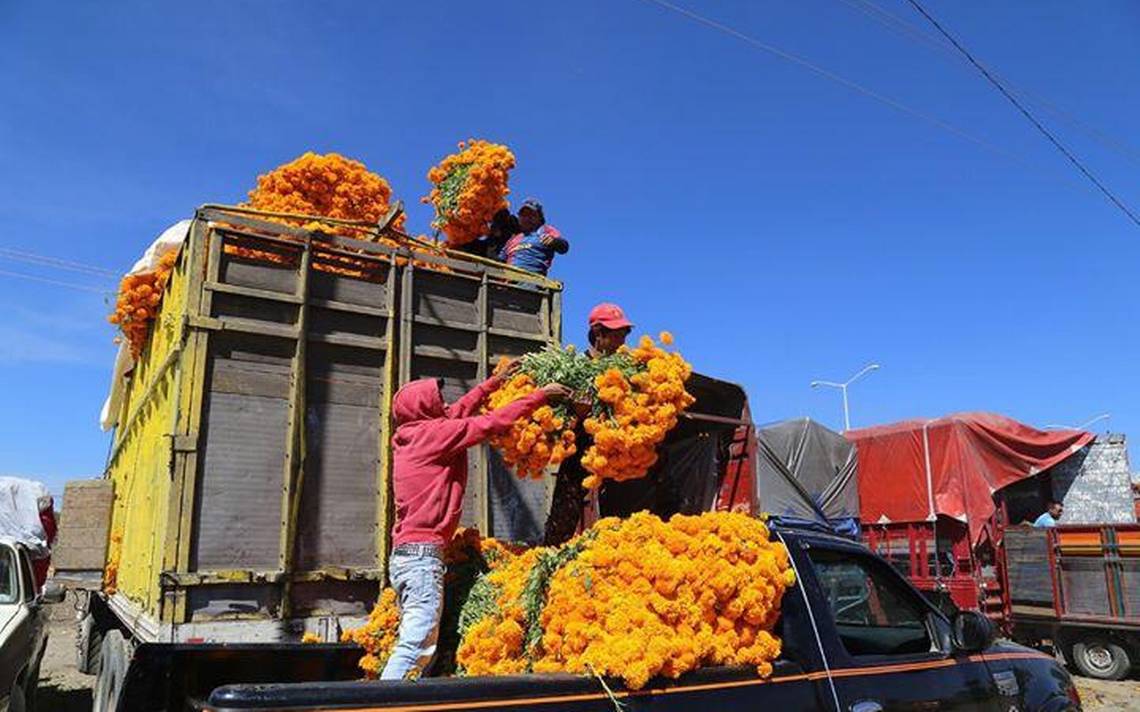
[[23, 627]]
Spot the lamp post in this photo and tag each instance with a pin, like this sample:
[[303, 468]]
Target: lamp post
[[843, 388], [1102, 416]]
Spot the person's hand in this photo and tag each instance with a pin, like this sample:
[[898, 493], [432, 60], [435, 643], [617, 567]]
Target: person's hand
[[556, 392], [549, 236], [509, 369]]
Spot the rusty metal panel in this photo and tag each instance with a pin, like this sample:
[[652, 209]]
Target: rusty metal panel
[[1084, 586], [339, 498], [237, 513], [1130, 584], [518, 507], [516, 309], [1027, 560], [337, 598], [443, 297]]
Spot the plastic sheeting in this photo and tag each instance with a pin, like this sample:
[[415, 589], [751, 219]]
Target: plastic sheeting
[[806, 472], [20, 505], [170, 239], [916, 470]]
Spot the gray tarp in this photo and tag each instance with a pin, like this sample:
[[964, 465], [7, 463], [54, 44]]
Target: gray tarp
[[807, 472]]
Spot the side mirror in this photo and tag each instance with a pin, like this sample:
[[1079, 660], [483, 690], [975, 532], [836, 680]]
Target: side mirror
[[52, 593], [972, 631]]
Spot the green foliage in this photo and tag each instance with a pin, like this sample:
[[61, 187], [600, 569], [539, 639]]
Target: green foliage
[[449, 190]]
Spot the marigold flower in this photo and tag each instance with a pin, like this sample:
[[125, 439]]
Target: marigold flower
[[469, 187]]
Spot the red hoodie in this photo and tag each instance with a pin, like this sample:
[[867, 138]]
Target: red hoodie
[[429, 454]]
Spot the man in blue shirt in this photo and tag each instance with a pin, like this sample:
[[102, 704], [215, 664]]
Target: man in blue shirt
[[1051, 516], [533, 249]]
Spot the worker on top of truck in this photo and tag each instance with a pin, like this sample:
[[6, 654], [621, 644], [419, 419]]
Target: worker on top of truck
[[608, 330], [504, 225], [534, 247], [429, 473], [1051, 516]]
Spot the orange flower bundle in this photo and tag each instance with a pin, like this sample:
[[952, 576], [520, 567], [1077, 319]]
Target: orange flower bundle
[[636, 599], [330, 186], [468, 556], [638, 410], [469, 187], [378, 635], [544, 439], [140, 295], [633, 397]]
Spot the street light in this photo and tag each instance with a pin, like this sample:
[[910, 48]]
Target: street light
[[1102, 416], [843, 387]]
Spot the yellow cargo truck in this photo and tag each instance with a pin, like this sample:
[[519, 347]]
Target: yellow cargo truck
[[250, 465]]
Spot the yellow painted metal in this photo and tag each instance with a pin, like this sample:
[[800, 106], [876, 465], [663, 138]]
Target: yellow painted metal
[[140, 464]]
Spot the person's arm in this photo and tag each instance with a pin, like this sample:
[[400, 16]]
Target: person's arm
[[469, 403], [553, 239], [462, 433]]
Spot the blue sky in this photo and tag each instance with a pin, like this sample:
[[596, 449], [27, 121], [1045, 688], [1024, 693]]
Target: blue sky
[[783, 226]]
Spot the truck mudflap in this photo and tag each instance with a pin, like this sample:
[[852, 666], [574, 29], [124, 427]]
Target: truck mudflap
[[720, 687], [160, 673]]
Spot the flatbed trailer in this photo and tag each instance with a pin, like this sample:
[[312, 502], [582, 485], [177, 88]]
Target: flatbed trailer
[[1074, 587], [1078, 587]]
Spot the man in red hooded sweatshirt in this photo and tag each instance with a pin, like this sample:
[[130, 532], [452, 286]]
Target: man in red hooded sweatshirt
[[429, 473]]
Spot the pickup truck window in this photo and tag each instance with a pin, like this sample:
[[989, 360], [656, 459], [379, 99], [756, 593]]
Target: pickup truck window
[[874, 613], [9, 576], [27, 576]]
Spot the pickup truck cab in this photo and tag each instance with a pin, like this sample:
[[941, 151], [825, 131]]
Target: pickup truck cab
[[23, 627], [857, 637]]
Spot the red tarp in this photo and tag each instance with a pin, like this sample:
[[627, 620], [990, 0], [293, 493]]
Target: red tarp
[[917, 469]]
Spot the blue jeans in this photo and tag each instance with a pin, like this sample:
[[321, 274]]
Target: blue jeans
[[418, 581]]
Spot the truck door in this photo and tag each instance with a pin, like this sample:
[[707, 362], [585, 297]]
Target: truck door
[[888, 649]]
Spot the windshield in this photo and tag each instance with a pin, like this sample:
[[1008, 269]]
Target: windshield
[[9, 576]]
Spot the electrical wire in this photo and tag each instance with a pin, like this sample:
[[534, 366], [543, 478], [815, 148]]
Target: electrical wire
[[894, 22], [56, 262], [1025, 112], [862, 89], [56, 282]]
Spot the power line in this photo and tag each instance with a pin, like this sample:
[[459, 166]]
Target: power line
[[1025, 112], [856, 86], [55, 282], [56, 262], [896, 23]]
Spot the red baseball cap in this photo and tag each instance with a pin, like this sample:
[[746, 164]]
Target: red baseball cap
[[609, 316]]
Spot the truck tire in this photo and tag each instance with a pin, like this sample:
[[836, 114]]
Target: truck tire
[[88, 645], [1097, 656], [114, 658]]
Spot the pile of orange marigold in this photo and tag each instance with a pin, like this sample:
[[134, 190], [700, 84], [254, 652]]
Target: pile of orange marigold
[[328, 185], [470, 186], [635, 599], [140, 295], [633, 399]]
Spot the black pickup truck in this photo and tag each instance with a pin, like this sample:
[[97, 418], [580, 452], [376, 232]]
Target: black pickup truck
[[857, 638]]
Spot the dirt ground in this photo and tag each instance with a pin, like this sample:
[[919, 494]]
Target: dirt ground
[[1098, 695], [64, 689]]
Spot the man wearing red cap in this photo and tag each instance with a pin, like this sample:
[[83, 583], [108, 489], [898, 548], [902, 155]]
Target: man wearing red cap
[[609, 329]]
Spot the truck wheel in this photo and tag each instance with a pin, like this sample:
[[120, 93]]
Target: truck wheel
[[114, 658], [88, 645], [1099, 657]]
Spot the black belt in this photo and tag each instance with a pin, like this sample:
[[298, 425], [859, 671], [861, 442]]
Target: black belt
[[433, 550]]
